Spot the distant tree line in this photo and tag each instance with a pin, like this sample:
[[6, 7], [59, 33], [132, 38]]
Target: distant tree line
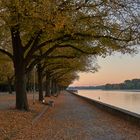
[[127, 84]]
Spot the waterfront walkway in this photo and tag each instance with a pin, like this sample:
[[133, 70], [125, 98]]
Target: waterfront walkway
[[72, 118]]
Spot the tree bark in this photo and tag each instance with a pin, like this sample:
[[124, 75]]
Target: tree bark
[[19, 66], [47, 92], [28, 85], [52, 87], [56, 89], [20, 88], [40, 82]]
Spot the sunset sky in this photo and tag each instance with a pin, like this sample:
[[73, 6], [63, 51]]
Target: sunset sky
[[113, 69]]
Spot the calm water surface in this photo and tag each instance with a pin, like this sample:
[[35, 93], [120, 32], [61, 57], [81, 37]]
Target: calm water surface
[[128, 100]]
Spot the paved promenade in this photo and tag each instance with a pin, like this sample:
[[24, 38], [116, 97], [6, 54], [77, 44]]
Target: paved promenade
[[73, 118]]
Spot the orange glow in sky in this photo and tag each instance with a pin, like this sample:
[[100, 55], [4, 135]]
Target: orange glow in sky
[[114, 69]]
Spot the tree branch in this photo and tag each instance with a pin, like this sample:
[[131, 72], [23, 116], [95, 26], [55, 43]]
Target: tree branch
[[32, 39], [60, 71], [101, 36], [36, 47], [62, 38], [78, 49], [62, 74], [37, 60], [7, 53]]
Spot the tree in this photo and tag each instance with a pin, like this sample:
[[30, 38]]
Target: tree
[[53, 69], [92, 27]]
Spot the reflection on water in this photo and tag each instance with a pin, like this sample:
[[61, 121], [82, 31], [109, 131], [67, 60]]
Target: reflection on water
[[128, 100]]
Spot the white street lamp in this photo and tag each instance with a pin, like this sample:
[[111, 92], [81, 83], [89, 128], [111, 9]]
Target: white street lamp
[[34, 85]]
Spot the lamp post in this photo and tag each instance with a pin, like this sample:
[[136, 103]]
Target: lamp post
[[34, 84]]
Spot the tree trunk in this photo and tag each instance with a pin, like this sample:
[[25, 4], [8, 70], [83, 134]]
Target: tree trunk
[[40, 82], [20, 75], [28, 82], [52, 87], [20, 88], [56, 89], [47, 92]]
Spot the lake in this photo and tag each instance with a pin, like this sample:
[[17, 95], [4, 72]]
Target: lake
[[127, 100]]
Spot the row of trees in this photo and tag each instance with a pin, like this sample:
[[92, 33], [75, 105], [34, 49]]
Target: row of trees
[[61, 37], [128, 84]]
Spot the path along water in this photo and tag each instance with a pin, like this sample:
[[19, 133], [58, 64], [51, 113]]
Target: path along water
[[72, 118]]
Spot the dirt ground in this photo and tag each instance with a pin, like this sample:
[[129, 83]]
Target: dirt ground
[[70, 118]]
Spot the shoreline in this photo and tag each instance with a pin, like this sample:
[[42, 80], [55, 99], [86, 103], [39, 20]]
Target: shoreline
[[129, 116], [128, 90]]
